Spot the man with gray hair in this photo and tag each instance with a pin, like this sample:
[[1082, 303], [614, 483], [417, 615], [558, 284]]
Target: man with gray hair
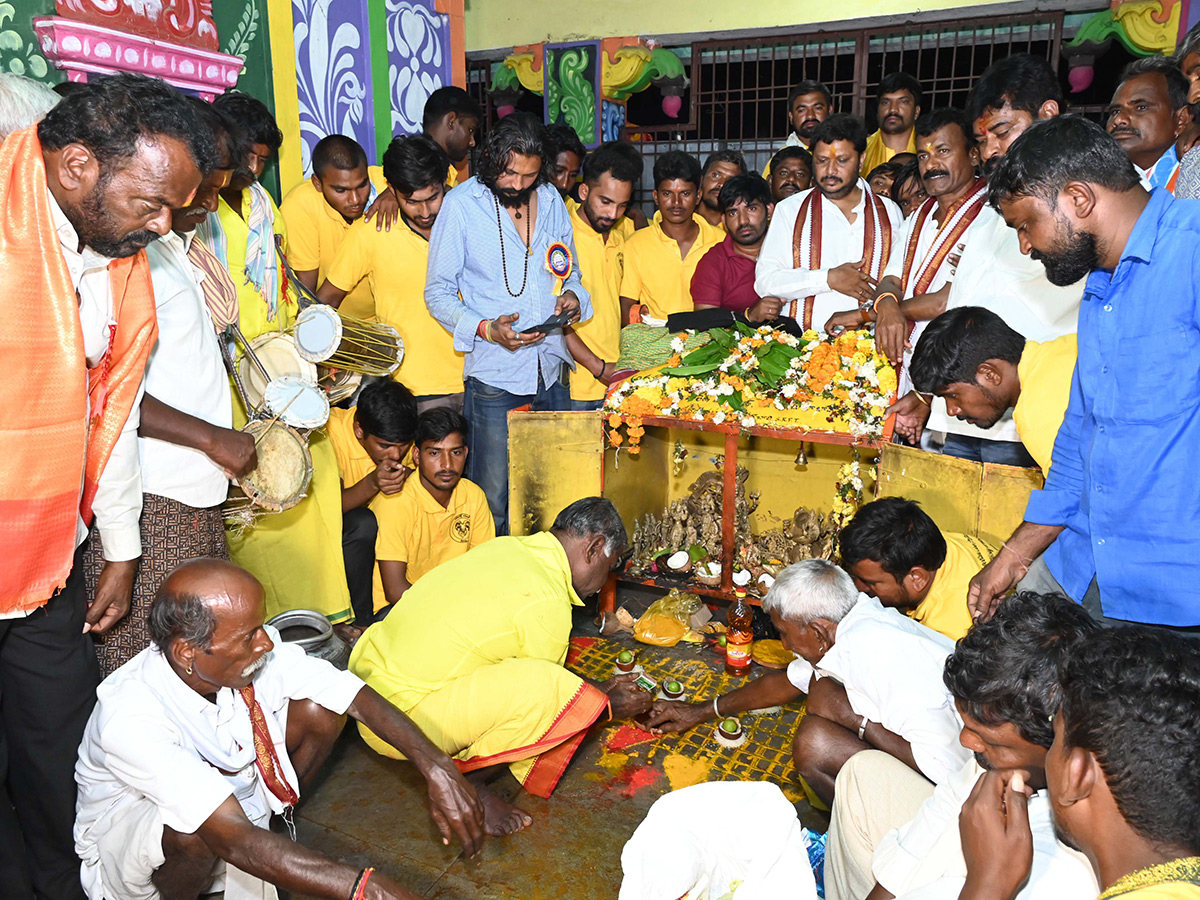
[[475, 652], [23, 102], [872, 675], [201, 738]]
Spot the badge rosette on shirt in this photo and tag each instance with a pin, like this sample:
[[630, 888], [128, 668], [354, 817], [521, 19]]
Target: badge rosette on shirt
[[559, 264]]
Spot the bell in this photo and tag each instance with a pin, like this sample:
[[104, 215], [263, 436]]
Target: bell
[[801, 456]]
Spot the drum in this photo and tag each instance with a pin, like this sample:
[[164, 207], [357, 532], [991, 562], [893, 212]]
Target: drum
[[276, 351], [296, 402], [342, 342], [283, 472], [338, 384]]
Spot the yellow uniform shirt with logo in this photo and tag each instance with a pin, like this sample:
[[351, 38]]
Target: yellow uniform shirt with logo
[[944, 608], [423, 535], [393, 263], [878, 152], [600, 263], [1045, 373], [316, 231], [623, 227], [656, 275]]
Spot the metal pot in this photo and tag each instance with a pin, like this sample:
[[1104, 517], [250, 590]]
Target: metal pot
[[312, 631]]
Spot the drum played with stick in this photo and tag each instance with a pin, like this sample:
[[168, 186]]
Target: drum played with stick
[[341, 342], [296, 402], [276, 353], [280, 479]]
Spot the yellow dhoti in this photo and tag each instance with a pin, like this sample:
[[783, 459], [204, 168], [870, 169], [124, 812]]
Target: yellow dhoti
[[529, 713]]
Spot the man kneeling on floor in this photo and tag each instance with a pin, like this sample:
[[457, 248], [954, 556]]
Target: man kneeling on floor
[[200, 738], [873, 678], [474, 654], [893, 834]]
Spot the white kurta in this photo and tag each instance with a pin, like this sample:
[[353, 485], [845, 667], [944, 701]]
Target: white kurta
[[891, 668], [841, 242], [924, 858]]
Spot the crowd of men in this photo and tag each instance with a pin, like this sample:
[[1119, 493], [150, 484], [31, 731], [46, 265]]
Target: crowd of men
[[1025, 267]]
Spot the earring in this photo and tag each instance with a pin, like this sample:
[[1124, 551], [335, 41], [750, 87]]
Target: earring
[[188, 670]]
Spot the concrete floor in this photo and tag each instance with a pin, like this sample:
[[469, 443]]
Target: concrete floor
[[368, 810]]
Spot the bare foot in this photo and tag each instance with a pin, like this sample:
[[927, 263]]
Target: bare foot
[[499, 816]]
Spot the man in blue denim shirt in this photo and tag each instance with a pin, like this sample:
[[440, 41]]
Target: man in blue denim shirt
[[1120, 511], [491, 274]]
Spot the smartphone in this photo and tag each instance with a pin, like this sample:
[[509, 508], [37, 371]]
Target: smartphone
[[551, 324]]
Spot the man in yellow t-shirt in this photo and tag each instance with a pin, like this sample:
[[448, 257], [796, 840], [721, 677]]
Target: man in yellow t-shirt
[[897, 107], [895, 552], [661, 260], [981, 367], [372, 442], [609, 176], [439, 515], [320, 211], [392, 264], [475, 655]]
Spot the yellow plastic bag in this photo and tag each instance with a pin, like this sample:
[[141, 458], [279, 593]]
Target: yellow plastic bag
[[666, 621]]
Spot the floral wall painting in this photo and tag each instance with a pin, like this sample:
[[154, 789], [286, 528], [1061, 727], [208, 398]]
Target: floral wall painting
[[187, 22], [418, 59], [572, 88], [19, 52], [333, 72]]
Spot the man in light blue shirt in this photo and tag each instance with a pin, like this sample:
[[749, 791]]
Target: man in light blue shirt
[[1120, 511], [502, 261]]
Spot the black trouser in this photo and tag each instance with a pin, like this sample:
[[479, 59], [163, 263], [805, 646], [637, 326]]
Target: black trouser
[[359, 529], [48, 678]]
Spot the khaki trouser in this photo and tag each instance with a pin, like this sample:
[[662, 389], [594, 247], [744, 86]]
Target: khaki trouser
[[874, 793]]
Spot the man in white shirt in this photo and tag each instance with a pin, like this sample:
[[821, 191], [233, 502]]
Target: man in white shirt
[[1148, 112], [202, 737], [828, 246], [893, 834], [872, 675], [84, 192], [956, 250], [187, 447]]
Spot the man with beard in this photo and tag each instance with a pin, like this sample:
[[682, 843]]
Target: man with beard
[[724, 278], [320, 210], [220, 725], [85, 191], [809, 104], [893, 834], [186, 445], [501, 262], [897, 107], [1105, 518], [955, 251], [451, 117], [661, 260], [391, 264], [827, 247], [1121, 775], [1149, 111], [789, 172], [609, 176], [1009, 96], [718, 169], [982, 368]]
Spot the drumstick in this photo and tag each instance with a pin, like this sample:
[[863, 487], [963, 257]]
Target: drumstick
[[271, 424]]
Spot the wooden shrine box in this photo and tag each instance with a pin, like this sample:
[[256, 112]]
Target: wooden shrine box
[[556, 458]]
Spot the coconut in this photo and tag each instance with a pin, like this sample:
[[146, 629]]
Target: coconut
[[679, 561], [741, 577]]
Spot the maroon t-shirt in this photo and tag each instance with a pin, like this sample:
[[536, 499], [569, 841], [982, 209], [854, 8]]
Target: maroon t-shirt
[[724, 278]]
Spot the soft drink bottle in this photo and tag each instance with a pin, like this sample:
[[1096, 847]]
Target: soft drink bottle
[[739, 636]]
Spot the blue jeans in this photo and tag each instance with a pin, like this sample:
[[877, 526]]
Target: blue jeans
[[1005, 453], [487, 408], [585, 405]]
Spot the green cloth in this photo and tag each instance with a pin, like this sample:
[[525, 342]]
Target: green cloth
[[646, 346]]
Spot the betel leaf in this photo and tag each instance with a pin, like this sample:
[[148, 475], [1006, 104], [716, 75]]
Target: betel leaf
[[696, 552], [735, 400], [744, 328], [724, 337]]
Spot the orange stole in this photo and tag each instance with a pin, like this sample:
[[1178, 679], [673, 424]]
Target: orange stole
[[553, 749], [49, 447]]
